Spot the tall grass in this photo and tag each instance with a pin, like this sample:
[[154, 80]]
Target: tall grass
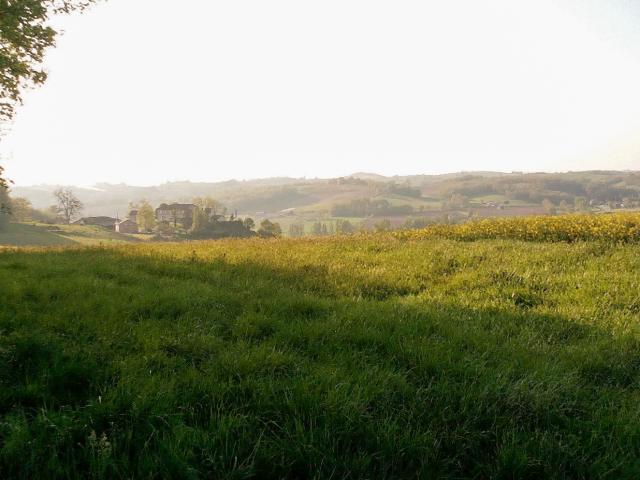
[[618, 227], [362, 357]]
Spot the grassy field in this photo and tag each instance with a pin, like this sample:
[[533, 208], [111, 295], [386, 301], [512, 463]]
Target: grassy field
[[348, 357], [607, 228], [43, 235], [500, 199]]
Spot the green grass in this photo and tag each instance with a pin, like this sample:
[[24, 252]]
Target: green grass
[[43, 235], [501, 199], [17, 234], [356, 357], [416, 203]]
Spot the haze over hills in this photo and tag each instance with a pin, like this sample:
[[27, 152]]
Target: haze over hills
[[422, 192]]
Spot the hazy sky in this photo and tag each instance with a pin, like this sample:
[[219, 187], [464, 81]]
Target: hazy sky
[[146, 91]]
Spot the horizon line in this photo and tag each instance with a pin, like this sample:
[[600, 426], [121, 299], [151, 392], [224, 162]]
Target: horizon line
[[352, 175]]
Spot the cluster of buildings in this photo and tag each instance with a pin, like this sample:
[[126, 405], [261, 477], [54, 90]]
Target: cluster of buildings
[[175, 214]]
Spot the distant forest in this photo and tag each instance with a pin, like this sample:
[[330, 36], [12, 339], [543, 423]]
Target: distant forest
[[535, 188]]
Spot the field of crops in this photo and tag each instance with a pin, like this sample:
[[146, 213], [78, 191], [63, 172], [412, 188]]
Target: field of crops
[[619, 227], [345, 357]]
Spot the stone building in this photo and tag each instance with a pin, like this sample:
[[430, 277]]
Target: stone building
[[127, 226], [176, 214]]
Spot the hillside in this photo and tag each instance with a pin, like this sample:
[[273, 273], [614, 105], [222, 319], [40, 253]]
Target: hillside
[[40, 235], [344, 357], [429, 196]]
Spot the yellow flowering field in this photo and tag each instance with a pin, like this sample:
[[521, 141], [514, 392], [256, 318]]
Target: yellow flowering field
[[617, 227]]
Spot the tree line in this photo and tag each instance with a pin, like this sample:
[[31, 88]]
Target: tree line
[[570, 188], [67, 207]]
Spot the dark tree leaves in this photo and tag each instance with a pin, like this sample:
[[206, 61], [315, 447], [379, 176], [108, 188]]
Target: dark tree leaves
[[5, 209], [25, 35]]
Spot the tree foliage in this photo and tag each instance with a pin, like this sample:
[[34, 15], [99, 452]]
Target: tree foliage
[[4, 193], [344, 227], [269, 229], [5, 203], [200, 220], [365, 207], [206, 226], [21, 209], [209, 202], [146, 217], [25, 35], [249, 224], [296, 230]]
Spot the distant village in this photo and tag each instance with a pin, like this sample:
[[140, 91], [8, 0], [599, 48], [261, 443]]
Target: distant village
[[170, 219]]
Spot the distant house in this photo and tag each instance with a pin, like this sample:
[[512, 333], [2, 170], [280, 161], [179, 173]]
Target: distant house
[[106, 222], [127, 226], [176, 213]]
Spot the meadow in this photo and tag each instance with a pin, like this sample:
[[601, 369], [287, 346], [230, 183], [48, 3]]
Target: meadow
[[44, 235], [370, 356]]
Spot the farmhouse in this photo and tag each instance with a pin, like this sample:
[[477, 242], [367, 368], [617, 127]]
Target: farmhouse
[[106, 222], [176, 213], [127, 226]]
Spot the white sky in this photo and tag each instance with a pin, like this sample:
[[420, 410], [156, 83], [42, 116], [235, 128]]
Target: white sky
[[148, 91]]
